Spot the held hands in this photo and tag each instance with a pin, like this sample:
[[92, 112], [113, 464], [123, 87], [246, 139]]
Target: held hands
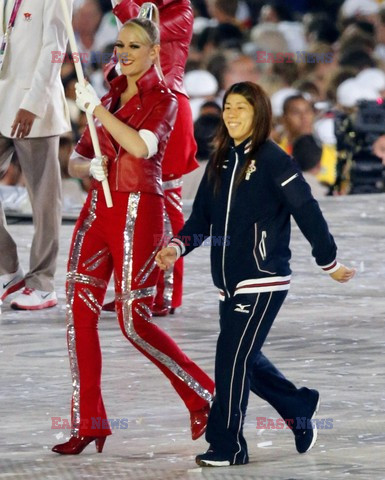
[[86, 98], [166, 258], [98, 168], [343, 274]]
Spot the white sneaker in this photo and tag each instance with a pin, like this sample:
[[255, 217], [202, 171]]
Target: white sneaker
[[11, 282], [32, 299]]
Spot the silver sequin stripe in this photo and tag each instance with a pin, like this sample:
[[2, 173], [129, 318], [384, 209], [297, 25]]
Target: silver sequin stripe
[[150, 265], [74, 277], [135, 294], [128, 323], [96, 260], [74, 262], [168, 275], [178, 182], [143, 311], [138, 294], [90, 300], [147, 309], [175, 200]]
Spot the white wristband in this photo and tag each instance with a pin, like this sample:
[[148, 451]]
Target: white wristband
[[331, 268], [176, 242]]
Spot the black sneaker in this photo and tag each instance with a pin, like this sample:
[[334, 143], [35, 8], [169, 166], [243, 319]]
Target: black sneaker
[[305, 438], [215, 459]]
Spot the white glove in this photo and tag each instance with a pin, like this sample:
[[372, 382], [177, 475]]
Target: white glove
[[86, 98], [98, 168]]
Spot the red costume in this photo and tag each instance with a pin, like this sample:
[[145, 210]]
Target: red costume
[[176, 29], [123, 239]]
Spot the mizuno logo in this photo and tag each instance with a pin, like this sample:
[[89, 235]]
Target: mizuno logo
[[241, 308]]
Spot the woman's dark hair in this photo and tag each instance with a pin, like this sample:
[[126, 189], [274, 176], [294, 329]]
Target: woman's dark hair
[[357, 59], [307, 152], [261, 128], [289, 100], [283, 11], [205, 127], [323, 29]]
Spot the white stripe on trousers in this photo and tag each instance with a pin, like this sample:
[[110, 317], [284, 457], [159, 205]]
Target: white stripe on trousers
[[244, 368]]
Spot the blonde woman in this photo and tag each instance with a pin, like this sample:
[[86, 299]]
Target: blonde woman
[[134, 121]]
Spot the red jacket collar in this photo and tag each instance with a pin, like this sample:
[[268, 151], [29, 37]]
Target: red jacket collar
[[146, 82]]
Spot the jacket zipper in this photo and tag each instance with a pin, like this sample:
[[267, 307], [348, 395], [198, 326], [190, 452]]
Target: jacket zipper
[[117, 168], [262, 245], [227, 221]]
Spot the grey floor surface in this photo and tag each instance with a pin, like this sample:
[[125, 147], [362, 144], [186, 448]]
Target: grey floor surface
[[328, 336]]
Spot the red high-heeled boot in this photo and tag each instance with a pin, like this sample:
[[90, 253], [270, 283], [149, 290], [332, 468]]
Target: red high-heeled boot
[[198, 421], [76, 445], [109, 307]]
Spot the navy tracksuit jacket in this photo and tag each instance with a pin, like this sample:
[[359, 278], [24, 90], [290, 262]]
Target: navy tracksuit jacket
[[249, 225]]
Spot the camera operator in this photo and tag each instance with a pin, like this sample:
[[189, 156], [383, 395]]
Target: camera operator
[[358, 125]]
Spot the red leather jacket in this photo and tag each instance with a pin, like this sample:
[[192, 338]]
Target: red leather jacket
[[176, 29], [153, 108]]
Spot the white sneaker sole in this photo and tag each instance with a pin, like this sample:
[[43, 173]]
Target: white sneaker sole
[[48, 304], [13, 288], [314, 438], [314, 426], [213, 463]]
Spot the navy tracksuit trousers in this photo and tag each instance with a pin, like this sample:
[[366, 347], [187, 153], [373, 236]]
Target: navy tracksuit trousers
[[240, 366]]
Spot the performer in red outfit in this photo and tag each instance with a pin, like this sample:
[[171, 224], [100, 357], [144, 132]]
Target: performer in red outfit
[[134, 121], [176, 29]]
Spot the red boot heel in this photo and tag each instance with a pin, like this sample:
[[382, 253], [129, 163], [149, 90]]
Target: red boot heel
[[99, 443], [198, 420], [76, 445]]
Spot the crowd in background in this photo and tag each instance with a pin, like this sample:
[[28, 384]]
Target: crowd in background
[[316, 60]]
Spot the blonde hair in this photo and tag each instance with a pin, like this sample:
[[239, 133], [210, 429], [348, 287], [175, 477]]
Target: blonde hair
[[147, 30]]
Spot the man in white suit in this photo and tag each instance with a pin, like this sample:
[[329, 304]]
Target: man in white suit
[[33, 114]]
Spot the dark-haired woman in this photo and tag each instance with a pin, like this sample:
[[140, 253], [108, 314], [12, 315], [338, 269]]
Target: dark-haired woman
[[134, 121], [249, 191]]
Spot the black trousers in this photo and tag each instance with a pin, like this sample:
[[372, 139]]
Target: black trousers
[[240, 366]]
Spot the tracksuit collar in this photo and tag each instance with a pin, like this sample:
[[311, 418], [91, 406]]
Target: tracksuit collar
[[242, 148]]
